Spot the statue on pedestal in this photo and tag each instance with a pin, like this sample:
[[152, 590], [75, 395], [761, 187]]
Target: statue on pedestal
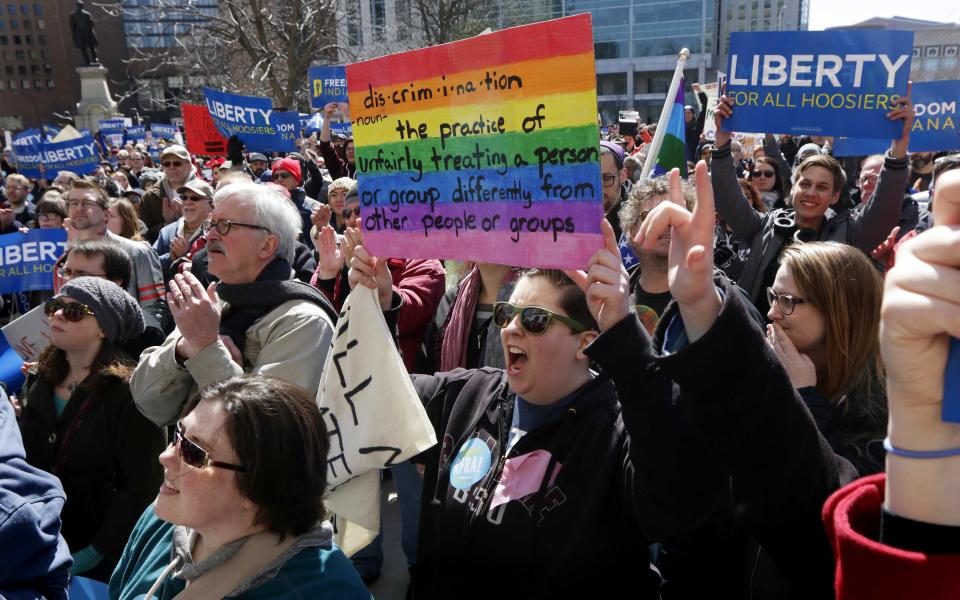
[[84, 38]]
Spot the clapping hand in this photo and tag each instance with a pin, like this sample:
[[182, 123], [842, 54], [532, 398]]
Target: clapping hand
[[368, 270]]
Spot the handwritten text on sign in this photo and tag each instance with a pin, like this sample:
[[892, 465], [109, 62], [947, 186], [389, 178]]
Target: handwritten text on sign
[[484, 149], [818, 82]]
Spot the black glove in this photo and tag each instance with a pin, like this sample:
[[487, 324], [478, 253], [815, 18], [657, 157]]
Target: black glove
[[235, 151]]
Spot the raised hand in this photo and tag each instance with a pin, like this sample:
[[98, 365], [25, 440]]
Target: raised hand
[[320, 217], [724, 112], [368, 270], [196, 311], [921, 311], [690, 260], [905, 112], [330, 258], [179, 246], [605, 282]]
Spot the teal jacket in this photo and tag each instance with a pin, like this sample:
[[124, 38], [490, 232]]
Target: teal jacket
[[317, 572]]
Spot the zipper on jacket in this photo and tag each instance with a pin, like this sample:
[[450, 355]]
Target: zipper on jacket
[[498, 471]]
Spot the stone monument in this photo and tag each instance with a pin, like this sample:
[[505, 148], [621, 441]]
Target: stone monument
[[96, 103]]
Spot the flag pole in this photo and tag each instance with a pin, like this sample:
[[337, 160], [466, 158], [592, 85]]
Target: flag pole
[[658, 136]]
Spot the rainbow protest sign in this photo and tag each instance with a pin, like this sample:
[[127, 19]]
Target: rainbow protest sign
[[485, 149]]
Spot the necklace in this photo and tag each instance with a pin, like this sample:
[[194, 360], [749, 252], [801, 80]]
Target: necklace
[[72, 386]]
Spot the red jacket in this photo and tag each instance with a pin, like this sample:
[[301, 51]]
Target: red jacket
[[420, 284], [870, 570]]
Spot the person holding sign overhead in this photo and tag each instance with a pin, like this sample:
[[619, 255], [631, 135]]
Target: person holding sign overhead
[[549, 478], [817, 184]]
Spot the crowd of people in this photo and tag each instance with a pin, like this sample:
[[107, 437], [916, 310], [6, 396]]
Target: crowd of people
[[738, 396]]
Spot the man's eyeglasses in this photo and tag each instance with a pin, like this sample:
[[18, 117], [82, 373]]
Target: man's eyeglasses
[[764, 173], [193, 198], [66, 273], [785, 302], [83, 204], [72, 311], [533, 319], [351, 212], [609, 180], [172, 163], [223, 226], [195, 456]]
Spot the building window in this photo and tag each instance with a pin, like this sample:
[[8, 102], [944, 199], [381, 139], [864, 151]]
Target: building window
[[50, 84], [354, 30], [25, 84], [22, 69], [3, 24], [28, 40], [41, 24], [14, 24], [42, 39], [11, 9], [24, 9], [378, 19], [13, 84], [3, 40], [8, 69], [27, 24], [403, 18], [17, 40], [37, 10], [3, 85], [34, 69]]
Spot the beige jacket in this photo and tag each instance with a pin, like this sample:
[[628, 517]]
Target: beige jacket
[[290, 342]]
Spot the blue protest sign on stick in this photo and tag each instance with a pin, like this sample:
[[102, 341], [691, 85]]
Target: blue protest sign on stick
[[935, 127], [327, 84], [250, 118], [27, 259], [28, 152], [341, 128], [164, 131], [818, 82], [288, 126], [136, 134], [78, 155]]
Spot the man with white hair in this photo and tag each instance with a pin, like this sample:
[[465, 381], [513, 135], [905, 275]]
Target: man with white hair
[[257, 319]]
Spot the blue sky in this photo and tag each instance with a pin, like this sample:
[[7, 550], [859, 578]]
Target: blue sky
[[830, 13]]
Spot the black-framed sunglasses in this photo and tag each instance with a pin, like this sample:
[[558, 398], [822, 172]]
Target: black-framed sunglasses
[[533, 319], [71, 311], [786, 302], [764, 173], [223, 226], [195, 456], [351, 212]]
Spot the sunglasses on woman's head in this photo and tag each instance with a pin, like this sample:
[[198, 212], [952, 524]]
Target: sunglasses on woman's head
[[195, 456], [533, 319], [71, 311]]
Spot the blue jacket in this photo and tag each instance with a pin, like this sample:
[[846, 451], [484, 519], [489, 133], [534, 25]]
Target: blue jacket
[[36, 561], [316, 572]]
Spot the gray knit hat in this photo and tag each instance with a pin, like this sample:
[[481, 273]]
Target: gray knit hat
[[118, 314]]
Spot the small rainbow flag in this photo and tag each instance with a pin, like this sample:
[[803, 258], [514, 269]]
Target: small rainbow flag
[[485, 149], [673, 150]]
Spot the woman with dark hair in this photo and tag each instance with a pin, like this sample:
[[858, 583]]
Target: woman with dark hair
[[825, 331], [544, 479], [240, 512], [767, 181], [79, 421]]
